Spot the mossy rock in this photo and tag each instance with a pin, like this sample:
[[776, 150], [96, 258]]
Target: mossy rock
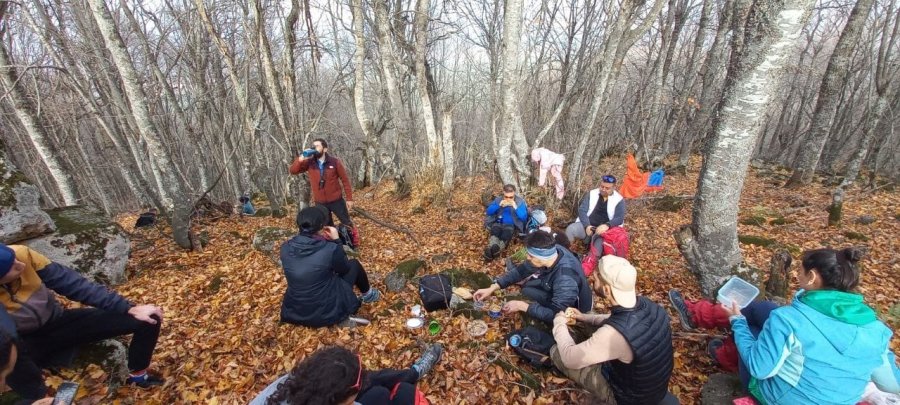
[[780, 220], [865, 220], [856, 236], [466, 309], [668, 204], [216, 283], [754, 220], [263, 212], [519, 256], [418, 211], [265, 239], [461, 277], [21, 216], [756, 240], [87, 241], [402, 274], [441, 258]]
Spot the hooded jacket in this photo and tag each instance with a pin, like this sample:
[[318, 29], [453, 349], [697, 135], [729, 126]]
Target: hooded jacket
[[822, 349], [336, 183], [316, 295]]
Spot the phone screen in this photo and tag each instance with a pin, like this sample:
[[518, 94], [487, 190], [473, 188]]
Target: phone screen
[[65, 394]]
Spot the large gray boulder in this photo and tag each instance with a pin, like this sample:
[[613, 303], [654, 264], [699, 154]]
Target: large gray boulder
[[87, 241], [264, 239], [20, 212]]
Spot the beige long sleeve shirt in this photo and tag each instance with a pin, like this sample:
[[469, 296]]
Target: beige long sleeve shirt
[[604, 345]]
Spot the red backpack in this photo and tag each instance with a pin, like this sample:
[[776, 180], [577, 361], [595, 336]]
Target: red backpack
[[615, 242]]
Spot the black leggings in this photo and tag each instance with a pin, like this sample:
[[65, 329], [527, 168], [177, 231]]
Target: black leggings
[[74, 328], [382, 384], [357, 276]]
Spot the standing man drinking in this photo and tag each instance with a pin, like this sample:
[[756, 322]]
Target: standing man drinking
[[329, 183]]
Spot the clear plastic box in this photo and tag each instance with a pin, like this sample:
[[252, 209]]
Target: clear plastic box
[[738, 290]]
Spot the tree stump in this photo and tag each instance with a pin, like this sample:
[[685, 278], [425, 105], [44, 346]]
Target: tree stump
[[835, 210], [778, 284]]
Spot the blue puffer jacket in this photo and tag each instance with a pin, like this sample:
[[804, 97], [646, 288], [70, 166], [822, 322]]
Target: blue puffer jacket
[[803, 356], [316, 295]]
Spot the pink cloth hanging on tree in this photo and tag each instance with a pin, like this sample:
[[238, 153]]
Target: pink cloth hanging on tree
[[552, 162]]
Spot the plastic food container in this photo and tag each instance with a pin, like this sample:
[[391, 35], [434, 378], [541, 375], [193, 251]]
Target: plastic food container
[[739, 291], [414, 323]]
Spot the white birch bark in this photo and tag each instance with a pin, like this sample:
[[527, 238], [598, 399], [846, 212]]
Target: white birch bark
[[161, 160], [431, 134], [359, 99], [390, 68], [510, 78], [36, 133], [710, 244], [447, 148]]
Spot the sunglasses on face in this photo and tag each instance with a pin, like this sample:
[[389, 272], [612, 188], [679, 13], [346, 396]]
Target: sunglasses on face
[[608, 179]]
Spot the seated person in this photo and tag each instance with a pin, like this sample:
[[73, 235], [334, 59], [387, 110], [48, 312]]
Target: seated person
[[552, 278], [824, 347], [601, 209], [146, 219], [628, 357], [505, 218], [538, 221], [247, 206], [48, 334], [320, 278], [334, 375]]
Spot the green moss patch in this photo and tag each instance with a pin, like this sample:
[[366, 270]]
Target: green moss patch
[[754, 220], [756, 240], [461, 277], [668, 204], [856, 236]]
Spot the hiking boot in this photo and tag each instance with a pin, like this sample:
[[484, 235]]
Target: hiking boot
[[430, 357], [712, 348], [145, 381], [370, 296], [495, 251], [683, 314], [491, 252]]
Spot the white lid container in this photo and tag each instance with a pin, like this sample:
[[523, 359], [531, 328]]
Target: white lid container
[[737, 290]]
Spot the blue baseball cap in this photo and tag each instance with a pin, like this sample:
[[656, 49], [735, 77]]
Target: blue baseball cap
[[7, 258]]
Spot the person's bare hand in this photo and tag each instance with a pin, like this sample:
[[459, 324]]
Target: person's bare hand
[[589, 230], [144, 313], [574, 313], [349, 205], [601, 229], [45, 401], [515, 306], [483, 293], [330, 233], [733, 310]]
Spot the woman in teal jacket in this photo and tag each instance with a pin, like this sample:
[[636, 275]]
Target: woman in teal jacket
[[824, 347]]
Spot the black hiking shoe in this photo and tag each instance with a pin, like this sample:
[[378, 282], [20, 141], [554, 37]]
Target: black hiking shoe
[[430, 357], [145, 381], [491, 252], [678, 303]]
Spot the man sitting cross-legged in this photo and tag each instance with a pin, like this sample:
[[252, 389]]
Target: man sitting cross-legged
[[552, 278], [628, 357], [47, 333]]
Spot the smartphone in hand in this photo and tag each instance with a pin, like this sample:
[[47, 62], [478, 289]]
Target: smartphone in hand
[[65, 394]]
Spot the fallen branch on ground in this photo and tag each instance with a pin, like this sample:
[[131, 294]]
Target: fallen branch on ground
[[385, 224]]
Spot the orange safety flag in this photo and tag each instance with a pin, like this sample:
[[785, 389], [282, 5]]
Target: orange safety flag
[[635, 182]]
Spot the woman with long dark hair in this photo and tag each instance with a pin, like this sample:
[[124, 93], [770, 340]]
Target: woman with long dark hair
[[336, 376]]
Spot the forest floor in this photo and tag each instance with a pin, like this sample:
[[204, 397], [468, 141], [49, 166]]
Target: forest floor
[[222, 341]]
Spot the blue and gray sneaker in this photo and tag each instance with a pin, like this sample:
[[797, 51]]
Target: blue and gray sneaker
[[370, 296], [430, 357], [683, 314]]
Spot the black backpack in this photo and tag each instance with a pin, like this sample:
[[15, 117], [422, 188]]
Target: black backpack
[[435, 291], [345, 236], [534, 346]]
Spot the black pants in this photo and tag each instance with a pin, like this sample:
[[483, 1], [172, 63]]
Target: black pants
[[531, 289], [74, 328], [504, 232], [338, 208], [357, 276], [382, 383]]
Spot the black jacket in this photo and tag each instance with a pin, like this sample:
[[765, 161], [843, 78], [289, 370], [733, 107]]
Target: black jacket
[[564, 282], [316, 295]]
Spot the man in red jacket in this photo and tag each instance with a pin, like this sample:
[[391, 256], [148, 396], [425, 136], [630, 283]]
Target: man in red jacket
[[326, 178]]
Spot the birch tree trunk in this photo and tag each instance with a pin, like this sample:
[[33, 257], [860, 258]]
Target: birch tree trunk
[[147, 129], [359, 99], [36, 134], [431, 134], [710, 243], [447, 148], [829, 95], [389, 72], [510, 77]]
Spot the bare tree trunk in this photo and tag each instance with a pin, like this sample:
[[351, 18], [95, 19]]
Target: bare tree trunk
[[389, 69], [710, 243], [36, 133], [511, 130], [359, 99], [447, 147], [830, 95], [137, 99], [434, 157]]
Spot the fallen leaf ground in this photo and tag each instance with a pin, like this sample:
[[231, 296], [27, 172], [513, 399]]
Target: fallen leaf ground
[[222, 341]]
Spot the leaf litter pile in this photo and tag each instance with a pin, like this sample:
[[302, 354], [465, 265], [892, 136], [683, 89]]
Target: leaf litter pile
[[222, 342]]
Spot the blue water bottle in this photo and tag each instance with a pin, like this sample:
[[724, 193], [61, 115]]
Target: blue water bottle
[[308, 152]]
